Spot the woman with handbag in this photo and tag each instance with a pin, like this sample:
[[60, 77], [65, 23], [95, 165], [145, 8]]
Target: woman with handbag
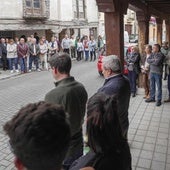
[[133, 61]]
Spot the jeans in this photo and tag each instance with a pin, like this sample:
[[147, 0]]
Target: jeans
[[73, 52], [75, 150], [156, 80], [35, 60], [13, 61], [92, 53], [23, 64], [79, 55], [169, 84], [4, 62], [132, 79], [86, 55]]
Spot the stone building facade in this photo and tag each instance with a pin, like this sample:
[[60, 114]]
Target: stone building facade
[[48, 17]]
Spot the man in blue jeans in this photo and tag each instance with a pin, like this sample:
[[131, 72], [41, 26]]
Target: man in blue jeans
[[156, 70]]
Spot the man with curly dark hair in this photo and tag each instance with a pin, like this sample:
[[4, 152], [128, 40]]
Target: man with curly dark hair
[[39, 136]]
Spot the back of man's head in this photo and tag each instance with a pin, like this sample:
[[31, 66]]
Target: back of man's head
[[62, 62], [39, 136], [113, 63]]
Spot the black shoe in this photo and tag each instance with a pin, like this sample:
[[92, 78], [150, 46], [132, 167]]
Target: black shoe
[[133, 94], [149, 100], [158, 103]]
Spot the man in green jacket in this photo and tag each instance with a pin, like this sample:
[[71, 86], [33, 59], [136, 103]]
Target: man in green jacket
[[73, 97]]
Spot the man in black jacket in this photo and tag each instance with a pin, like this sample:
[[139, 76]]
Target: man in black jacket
[[117, 84], [3, 53]]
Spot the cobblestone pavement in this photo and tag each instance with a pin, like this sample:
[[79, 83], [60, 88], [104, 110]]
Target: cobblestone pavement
[[149, 131]]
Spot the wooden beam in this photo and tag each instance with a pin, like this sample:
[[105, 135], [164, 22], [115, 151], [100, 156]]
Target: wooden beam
[[105, 6]]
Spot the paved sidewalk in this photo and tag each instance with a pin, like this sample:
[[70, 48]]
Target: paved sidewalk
[[149, 134], [7, 74]]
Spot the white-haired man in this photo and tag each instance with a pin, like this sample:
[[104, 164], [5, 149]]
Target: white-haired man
[[117, 84]]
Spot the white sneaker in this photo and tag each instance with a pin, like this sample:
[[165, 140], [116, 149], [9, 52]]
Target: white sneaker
[[38, 70], [17, 71], [12, 71], [29, 71]]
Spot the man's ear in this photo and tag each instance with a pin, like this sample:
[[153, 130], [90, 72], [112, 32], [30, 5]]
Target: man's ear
[[18, 164], [55, 70]]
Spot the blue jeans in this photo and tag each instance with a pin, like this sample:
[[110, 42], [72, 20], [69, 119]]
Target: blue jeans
[[156, 80], [132, 79], [86, 55], [92, 53], [35, 60], [23, 64], [13, 61]]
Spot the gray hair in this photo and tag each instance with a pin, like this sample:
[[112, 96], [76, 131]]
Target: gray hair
[[112, 62]]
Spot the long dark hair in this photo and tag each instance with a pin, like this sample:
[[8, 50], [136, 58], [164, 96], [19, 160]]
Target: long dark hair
[[103, 127]]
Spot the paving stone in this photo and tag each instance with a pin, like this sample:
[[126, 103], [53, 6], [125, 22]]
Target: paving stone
[[5, 163], [167, 166], [151, 134], [151, 140], [153, 128], [144, 163], [141, 132], [168, 159], [162, 135], [164, 130], [134, 160], [143, 127], [156, 165], [141, 168], [139, 138], [148, 147], [159, 157], [146, 154], [163, 142], [161, 149], [164, 125], [137, 145], [132, 131], [135, 152]]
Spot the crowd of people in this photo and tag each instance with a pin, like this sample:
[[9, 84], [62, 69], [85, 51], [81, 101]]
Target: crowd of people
[[48, 135], [21, 54], [151, 65]]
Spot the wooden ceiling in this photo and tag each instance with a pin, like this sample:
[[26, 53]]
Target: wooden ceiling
[[157, 8]]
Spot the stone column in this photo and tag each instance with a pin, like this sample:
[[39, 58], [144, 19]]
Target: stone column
[[114, 29], [159, 22], [143, 24]]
